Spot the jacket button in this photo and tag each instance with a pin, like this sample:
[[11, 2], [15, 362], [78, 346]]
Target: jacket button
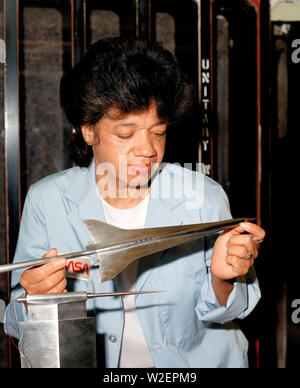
[[112, 338]]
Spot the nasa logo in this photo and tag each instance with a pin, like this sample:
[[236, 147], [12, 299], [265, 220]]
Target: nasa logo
[[79, 268]]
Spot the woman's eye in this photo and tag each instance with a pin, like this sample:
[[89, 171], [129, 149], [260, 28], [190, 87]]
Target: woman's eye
[[124, 137], [160, 134]]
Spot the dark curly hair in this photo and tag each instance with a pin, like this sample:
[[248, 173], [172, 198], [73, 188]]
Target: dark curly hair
[[127, 74]]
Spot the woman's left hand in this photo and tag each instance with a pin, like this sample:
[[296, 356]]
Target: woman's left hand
[[234, 253]]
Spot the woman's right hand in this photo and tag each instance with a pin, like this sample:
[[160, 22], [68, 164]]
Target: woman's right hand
[[48, 278]]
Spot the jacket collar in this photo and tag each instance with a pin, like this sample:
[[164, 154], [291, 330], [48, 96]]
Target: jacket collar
[[82, 190], [81, 184]]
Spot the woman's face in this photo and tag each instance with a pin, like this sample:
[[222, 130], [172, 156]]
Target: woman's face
[[127, 148]]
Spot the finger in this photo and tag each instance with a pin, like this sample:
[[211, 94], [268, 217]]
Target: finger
[[51, 253], [239, 267], [60, 288], [47, 284], [241, 252], [234, 231], [37, 274], [232, 261], [243, 227], [33, 274], [248, 240], [49, 269], [254, 229], [242, 239]]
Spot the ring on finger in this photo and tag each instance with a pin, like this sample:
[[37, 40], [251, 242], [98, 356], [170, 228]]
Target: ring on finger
[[248, 256], [256, 240]]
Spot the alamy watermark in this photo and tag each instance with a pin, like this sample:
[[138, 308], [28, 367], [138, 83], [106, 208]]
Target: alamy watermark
[[296, 313], [131, 181], [2, 310], [296, 52], [2, 51]]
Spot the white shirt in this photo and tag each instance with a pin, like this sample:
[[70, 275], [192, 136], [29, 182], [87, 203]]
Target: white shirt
[[134, 351]]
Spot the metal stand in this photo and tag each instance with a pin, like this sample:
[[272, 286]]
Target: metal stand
[[58, 335]]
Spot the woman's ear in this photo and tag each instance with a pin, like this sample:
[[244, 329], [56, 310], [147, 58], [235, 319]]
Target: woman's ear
[[88, 134]]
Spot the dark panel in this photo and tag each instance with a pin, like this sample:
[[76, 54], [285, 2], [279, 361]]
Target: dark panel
[[223, 102], [186, 32], [45, 52], [102, 17], [236, 146], [261, 325], [183, 141], [145, 19], [285, 190], [242, 117], [78, 29]]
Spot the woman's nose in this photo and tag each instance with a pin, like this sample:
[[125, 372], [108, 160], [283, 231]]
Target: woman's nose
[[144, 147]]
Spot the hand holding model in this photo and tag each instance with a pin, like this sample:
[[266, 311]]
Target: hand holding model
[[46, 279], [233, 255]]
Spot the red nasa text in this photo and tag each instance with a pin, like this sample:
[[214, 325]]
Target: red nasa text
[[77, 266]]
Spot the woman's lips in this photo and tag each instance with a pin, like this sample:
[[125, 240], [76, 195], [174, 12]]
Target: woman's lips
[[139, 168]]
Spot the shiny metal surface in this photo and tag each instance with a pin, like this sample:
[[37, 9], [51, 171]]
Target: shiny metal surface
[[125, 246], [12, 125], [50, 312], [70, 297], [39, 343], [58, 333], [58, 336], [69, 343]]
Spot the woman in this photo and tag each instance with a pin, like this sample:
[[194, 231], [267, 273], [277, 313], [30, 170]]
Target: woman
[[120, 100]]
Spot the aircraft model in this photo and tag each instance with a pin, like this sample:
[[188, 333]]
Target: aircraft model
[[116, 248]]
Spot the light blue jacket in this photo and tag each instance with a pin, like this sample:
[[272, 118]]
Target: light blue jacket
[[183, 327]]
